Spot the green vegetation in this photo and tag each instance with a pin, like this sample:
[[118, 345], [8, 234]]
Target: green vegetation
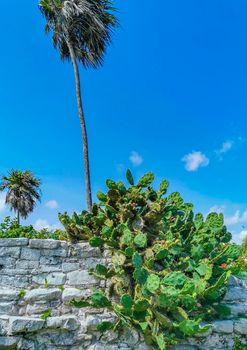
[[22, 192], [10, 228], [81, 32], [46, 314], [169, 266], [239, 346]]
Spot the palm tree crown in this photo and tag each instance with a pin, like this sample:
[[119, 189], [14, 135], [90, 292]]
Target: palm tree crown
[[86, 24], [22, 191]]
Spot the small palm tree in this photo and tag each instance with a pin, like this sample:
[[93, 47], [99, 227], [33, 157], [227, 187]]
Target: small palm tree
[[22, 192], [81, 32]]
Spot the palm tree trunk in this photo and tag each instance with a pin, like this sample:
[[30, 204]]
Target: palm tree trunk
[[18, 217], [83, 127]]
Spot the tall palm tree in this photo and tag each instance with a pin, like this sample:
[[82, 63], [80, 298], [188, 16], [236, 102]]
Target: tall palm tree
[[81, 32], [22, 192]]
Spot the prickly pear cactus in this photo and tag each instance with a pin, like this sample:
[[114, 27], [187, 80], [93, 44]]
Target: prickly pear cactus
[[169, 267]]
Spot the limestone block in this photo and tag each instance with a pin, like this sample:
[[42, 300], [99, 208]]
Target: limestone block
[[74, 293], [70, 266], [240, 326], [42, 294], [223, 327], [53, 279], [13, 252], [8, 343], [47, 244], [236, 294], [14, 281], [81, 278], [27, 264], [8, 294], [13, 242], [30, 254], [50, 260], [68, 323], [19, 325], [60, 252]]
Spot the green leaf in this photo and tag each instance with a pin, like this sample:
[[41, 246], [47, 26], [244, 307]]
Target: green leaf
[[106, 232], [160, 341], [129, 252], [174, 279], [129, 177], [137, 260], [46, 314], [198, 221], [205, 270], [127, 237], [141, 275], [141, 305], [105, 326], [141, 240], [99, 300], [164, 186], [111, 184], [153, 283], [189, 327], [146, 180], [96, 241], [101, 196], [101, 270], [127, 301], [79, 304]]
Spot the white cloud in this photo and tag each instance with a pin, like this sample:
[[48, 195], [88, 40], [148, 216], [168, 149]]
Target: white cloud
[[135, 158], [225, 147], [52, 204], [238, 237], [2, 202], [195, 160], [236, 218], [42, 223]]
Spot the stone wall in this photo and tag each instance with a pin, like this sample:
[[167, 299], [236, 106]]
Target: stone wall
[[37, 276]]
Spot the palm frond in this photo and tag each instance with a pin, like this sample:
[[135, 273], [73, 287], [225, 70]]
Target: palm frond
[[87, 24]]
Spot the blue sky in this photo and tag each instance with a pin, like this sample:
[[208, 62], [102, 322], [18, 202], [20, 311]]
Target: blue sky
[[171, 98]]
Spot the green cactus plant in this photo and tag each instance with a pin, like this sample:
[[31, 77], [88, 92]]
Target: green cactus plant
[[169, 267]]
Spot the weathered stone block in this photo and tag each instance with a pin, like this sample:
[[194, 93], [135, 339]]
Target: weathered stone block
[[60, 252], [27, 264], [42, 294], [70, 266], [81, 278], [8, 294], [223, 327], [24, 325], [8, 343], [13, 252], [50, 260], [30, 254], [47, 244], [74, 293], [14, 281], [68, 323], [13, 242], [53, 279], [240, 326], [236, 294]]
